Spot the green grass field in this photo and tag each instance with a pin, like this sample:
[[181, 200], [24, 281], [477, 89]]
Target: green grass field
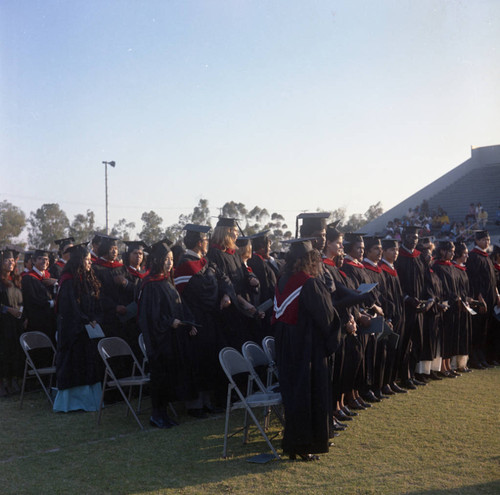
[[443, 438]]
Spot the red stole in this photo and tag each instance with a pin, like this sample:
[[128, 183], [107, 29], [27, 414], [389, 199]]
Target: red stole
[[286, 304], [185, 271], [479, 251], [403, 252], [388, 269], [108, 264]]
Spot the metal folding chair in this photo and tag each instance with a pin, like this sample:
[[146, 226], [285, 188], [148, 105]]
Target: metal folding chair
[[233, 363], [269, 349], [31, 341], [111, 347], [258, 358], [145, 361]]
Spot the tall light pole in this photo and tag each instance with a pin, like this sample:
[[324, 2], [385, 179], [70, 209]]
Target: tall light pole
[[112, 164]]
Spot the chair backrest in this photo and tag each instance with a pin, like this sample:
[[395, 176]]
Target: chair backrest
[[268, 346], [112, 347], [255, 354], [35, 340], [233, 362], [142, 346]]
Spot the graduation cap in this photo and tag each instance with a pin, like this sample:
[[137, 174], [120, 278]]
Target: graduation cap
[[352, 237], [243, 241], [192, 227], [389, 243], [227, 222], [97, 238], [160, 248], [480, 234], [105, 244], [370, 241], [332, 233], [133, 245], [300, 247], [311, 222], [78, 249], [411, 229], [28, 255], [10, 253], [62, 243], [40, 253]]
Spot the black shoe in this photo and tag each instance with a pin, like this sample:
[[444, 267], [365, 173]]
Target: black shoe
[[379, 395], [197, 413], [408, 384], [370, 397], [434, 376], [304, 457], [477, 366], [418, 382], [396, 388], [348, 412], [366, 405], [355, 405], [387, 390], [421, 377], [455, 372], [342, 416], [449, 374], [159, 423], [464, 370]]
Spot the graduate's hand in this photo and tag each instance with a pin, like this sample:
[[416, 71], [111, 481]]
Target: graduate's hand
[[16, 313], [262, 314], [378, 309], [225, 301], [413, 302], [193, 332], [176, 323], [120, 280], [93, 323], [350, 326], [121, 310], [254, 281], [428, 305], [49, 281], [365, 320], [443, 307]]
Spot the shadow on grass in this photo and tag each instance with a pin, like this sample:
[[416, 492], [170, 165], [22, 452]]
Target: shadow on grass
[[489, 488]]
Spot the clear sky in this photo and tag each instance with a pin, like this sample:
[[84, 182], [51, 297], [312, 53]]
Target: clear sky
[[290, 105]]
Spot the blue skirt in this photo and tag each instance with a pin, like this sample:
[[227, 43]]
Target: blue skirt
[[85, 397]]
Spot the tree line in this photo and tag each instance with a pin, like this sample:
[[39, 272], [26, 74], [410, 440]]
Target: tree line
[[50, 222]]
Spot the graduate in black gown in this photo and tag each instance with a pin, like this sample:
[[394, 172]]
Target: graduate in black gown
[[166, 324], [207, 291], [495, 321], [116, 291], [78, 365], [464, 316], [11, 324], [394, 311], [482, 279], [38, 296], [307, 330], [238, 318], [266, 270], [447, 273], [63, 253], [411, 273]]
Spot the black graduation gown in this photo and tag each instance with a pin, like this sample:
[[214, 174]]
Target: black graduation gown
[[411, 271], [202, 286], [77, 360], [394, 310], [307, 333], [432, 341], [237, 326], [112, 295], [56, 269], [11, 328], [464, 317], [481, 272], [38, 304], [168, 348], [266, 274]]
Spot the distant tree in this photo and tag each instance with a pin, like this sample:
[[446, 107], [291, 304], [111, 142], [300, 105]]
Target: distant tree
[[201, 213], [82, 227], [151, 230], [122, 229], [12, 222], [234, 210], [373, 212], [47, 223], [354, 223], [338, 214]]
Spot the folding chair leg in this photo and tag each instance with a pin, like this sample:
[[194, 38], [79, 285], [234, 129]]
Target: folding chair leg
[[102, 397], [263, 433], [23, 385], [44, 387], [226, 427], [172, 410]]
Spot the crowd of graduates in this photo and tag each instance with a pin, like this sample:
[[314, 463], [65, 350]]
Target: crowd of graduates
[[356, 318]]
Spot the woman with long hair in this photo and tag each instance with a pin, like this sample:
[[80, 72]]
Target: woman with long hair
[[164, 321], [11, 324], [307, 330], [77, 361]]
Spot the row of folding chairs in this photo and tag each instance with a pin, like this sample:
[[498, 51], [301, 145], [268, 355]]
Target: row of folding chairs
[[257, 395]]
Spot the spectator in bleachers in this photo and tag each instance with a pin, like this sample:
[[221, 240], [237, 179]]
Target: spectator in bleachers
[[482, 218], [471, 216]]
